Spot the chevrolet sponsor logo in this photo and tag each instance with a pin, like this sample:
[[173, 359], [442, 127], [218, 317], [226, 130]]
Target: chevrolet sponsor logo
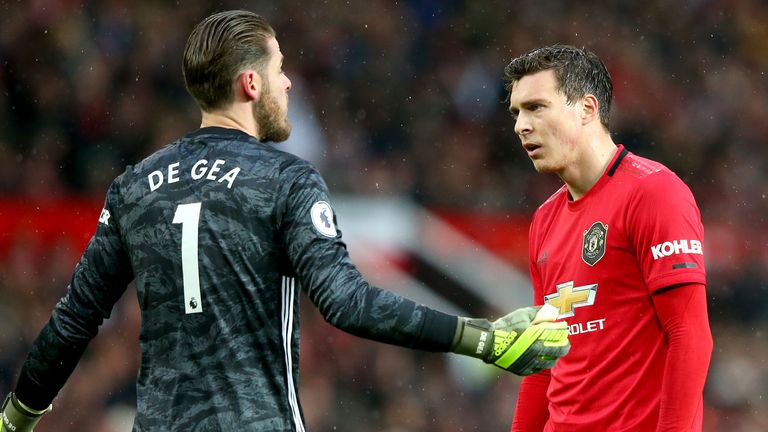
[[568, 297]]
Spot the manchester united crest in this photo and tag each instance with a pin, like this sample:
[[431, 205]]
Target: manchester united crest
[[593, 244]]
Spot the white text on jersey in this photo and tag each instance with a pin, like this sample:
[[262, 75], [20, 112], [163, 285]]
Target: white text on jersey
[[675, 247], [198, 172], [586, 327]]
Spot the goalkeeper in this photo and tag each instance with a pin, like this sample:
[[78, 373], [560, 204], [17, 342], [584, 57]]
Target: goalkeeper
[[219, 231]]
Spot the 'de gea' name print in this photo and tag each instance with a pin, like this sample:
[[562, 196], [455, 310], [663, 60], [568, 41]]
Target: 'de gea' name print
[[201, 170]]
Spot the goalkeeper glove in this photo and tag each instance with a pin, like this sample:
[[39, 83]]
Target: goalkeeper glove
[[518, 342], [17, 417]]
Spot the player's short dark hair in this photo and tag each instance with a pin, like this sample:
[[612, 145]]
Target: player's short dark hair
[[578, 72], [218, 48]]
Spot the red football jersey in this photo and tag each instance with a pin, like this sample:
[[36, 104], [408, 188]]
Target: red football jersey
[[599, 259]]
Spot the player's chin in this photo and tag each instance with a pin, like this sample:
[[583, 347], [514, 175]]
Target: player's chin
[[277, 133], [283, 133], [542, 167], [286, 129]]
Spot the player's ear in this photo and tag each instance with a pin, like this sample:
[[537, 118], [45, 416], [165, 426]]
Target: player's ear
[[590, 109], [249, 82]]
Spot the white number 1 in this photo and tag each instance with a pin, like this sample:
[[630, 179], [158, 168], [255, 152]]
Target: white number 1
[[188, 215]]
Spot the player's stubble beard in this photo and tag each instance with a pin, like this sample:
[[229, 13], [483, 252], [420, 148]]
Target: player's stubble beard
[[272, 120]]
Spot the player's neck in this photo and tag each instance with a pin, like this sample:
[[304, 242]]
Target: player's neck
[[589, 166], [231, 120]]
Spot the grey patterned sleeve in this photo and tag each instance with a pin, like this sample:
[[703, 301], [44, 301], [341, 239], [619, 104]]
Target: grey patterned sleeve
[[334, 284], [99, 279]]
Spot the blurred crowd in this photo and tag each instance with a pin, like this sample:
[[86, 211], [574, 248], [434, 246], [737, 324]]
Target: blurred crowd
[[390, 98]]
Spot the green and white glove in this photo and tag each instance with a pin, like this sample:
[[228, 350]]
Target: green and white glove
[[17, 417], [519, 342]]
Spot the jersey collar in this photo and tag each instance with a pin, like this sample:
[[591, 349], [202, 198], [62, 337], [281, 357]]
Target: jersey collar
[[621, 153]]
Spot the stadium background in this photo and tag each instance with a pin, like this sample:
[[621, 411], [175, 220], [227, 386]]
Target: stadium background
[[400, 105]]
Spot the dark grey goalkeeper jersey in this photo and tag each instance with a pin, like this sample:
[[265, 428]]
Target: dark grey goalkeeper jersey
[[219, 231]]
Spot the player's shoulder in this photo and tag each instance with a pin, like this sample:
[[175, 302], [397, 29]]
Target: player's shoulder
[[635, 166], [236, 146], [646, 170], [649, 178]]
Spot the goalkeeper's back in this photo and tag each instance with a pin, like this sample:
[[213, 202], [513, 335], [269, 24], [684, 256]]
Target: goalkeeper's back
[[206, 229], [219, 304]]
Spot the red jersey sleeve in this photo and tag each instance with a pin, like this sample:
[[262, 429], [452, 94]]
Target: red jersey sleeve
[[682, 311], [666, 230]]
